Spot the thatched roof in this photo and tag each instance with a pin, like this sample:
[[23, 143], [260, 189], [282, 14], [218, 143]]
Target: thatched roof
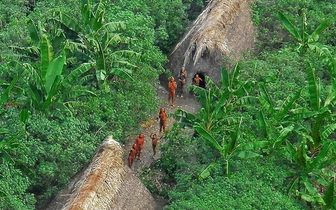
[[107, 183], [219, 36]]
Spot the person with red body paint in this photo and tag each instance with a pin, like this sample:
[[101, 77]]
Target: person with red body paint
[[172, 90], [140, 141], [163, 119]]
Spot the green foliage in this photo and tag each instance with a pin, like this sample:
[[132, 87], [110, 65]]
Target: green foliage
[[171, 161], [271, 35], [265, 181], [56, 150], [169, 18], [13, 187], [12, 24]]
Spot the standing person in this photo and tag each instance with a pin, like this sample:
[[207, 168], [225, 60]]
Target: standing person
[[155, 141], [172, 87], [140, 141], [163, 119], [132, 155], [136, 147], [182, 79], [197, 80]]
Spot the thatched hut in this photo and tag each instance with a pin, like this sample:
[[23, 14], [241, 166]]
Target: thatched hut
[[217, 38], [107, 183]]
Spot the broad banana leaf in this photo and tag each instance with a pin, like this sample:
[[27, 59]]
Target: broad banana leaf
[[284, 134], [206, 172], [288, 105], [319, 29], [327, 131], [323, 159], [5, 95], [265, 99], [122, 73], [314, 195], [292, 152], [46, 55], [329, 195], [253, 146], [70, 22], [33, 32], [290, 26], [55, 69], [24, 115], [4, 131], [302, 154], [207, 136], [246, 154], [75, 74], [263, 126], [234, 136]]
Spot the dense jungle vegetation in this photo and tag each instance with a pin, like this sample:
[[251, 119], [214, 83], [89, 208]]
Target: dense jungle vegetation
[[73, 72]]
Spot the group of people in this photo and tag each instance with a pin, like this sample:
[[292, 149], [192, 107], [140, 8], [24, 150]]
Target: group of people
[[135, 151], [139, 144], [172, 85]]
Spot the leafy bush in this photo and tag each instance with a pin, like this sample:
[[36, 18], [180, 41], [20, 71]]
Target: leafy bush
[[56, 150], [257, 184], [13, 189]]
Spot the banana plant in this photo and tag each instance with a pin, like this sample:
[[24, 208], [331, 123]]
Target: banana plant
[[46, 84], [275, 123], [301, 34], [320, 114], [97, 41], [229, 148], [217, 117], [310, 41], [311, 169]]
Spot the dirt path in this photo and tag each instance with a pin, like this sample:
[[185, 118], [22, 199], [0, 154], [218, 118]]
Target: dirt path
[[188, 103]]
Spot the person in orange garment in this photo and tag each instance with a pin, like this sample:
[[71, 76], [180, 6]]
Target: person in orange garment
[[172, 90], [163, 119], [140, 141], [133, 153], [155, 141]]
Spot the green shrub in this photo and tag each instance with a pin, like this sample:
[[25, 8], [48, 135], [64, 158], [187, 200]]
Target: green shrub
[[56, 150], [13, 189], [256, 184]]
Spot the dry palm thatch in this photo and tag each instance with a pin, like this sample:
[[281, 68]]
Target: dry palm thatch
[[107, 183], [219, 36]]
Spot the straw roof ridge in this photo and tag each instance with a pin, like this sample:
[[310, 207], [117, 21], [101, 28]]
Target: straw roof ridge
[[106, 183]]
